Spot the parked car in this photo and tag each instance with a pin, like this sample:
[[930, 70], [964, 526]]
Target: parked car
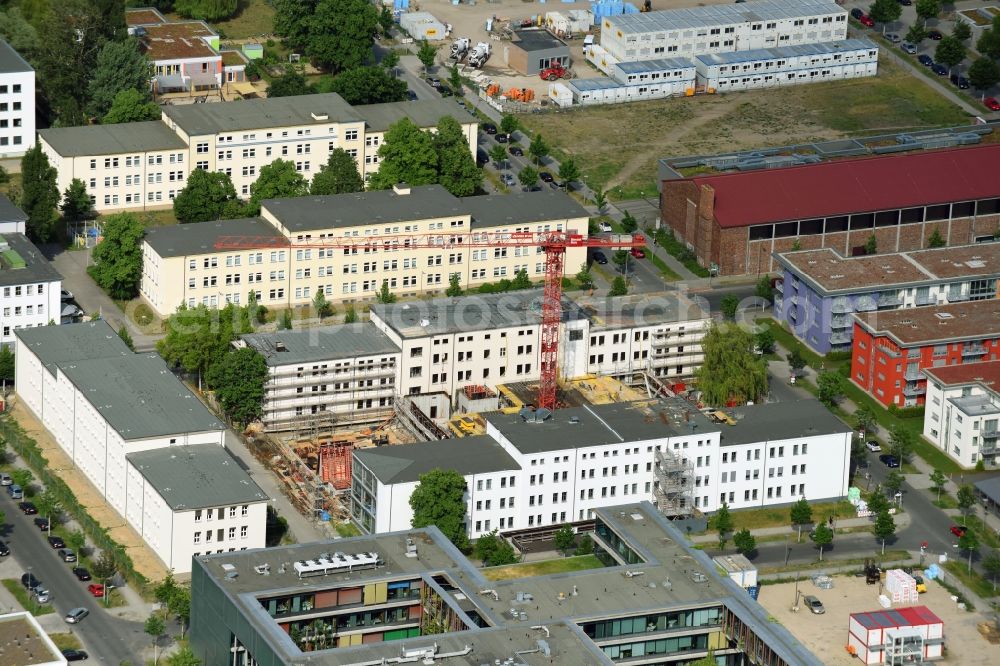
[[516, 151], [42, 523], [605, 228], [67, 555], [546, 176], [81, 574], [637, 252], [76, 615], [41, 595], [65, 295], [445, 91], [96, 590], [960, 81], [5, 479], [893, 38], [992, 104], [889, 461], [29, 581], [433, 81], [4, 550], [935, 35], [56, 542], [410, 95], [15, 491], [939, 69], [508, 179], [600, 258], [489, 128], [502, 138], [909, 48], [75, 655], [814, 604], [856, 14], [866, 21], [27, 508], [873, 446], [925, 60], [959, 530], [906, 3]]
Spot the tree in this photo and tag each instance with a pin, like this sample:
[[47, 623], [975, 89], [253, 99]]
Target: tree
[[991, 564], [744, 541], [938, 481], [795, 360], [406, 155], [120, 66], [877, 503], [822, 536], [764, 342], [455, 80], [293, 21], [39, 193], [439, 499], [900, 443], [368, 85], [426, 54], [341, 34], [17, 31], [885, 528], [164, 590], [585, 546], [390, 61], [984, 73], [961, 31], [456, 167], [493, 550], [520, 281], [569, 172], [988, 43], [600, 201], [629, 223], [729, 305], [885, 11], [565, 539], [185, 656], [49, 506], [764, 289], [6, 364], [321, 306], [277, 180], [871, 245], [893, 482], [76, 540], [731, 372], [290, 84], [509, 123], [620, 258], [864, 420], [584, 277], [206, 10], [205, 196], [830, 387], [385, 20], [238, 381], [131, 106], [928, 9], [350, 315], [338, 176], [179, 606], [199, 338], [117, 259], [966, 498], [104, 567], [801, 514], [618, 287], [969, 543], [722, 521], [950, 51], [538, 149], [384, 295], [527, 176], [454, 286], [498, 154], [286, 320], [76, 204], [154, 628], [22, 477], [916, 34]]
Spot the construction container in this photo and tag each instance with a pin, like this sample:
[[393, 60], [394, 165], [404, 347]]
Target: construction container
[[422, 25], [560, 94]]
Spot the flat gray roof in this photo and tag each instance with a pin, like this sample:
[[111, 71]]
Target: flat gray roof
[[11, 61], [422, 112], [470, 313], [181, 240], [492, 210], [721, 15], [201, 119], [538, 39], [114, 139], [406, 462], [990, 487], [976, 405], [649, 309], [320, 344], [197, 476], [36, 267], [9, 212], [793, 51], [372, 207], [780, 420], [139, 396], [658, 65], [54, 345]]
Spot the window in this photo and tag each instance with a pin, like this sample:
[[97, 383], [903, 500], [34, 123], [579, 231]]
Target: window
[[197, 536]]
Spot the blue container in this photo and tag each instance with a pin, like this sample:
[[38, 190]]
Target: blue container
[[324, 516]]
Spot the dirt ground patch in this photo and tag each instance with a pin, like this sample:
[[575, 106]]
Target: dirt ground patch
[[826, 635], [617, 146]]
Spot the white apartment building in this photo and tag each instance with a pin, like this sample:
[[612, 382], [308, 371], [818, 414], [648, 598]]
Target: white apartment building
[[12, 218], [345, 373], [142, 166], [535, 470], [101, 403], [760, 24], [787, 65], [29, 284], [17, 103], [962, 411], [181, 264]]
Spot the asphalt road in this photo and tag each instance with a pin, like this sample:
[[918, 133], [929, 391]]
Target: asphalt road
[[108, 639]]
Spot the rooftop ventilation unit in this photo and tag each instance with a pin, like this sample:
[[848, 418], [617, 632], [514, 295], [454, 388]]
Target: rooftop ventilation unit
[[320, 115], [944, 315], [336, 563], [280, 346]]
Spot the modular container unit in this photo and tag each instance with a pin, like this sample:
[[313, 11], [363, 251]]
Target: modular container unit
[[560, 94], [422, 25], [789, 65], [916, 630], [600, 58], [599, 90], [678, 74]]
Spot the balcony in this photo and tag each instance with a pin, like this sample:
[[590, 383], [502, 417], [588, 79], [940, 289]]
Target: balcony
[[841, 322], [890, 299], [957, 297], [913, 390], [973, 349], [841, 306], [925, 300], [840, 338], [866, 304], [779, 286]]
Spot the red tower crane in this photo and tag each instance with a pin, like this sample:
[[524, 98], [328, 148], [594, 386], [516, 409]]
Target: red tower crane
[[554, 244]]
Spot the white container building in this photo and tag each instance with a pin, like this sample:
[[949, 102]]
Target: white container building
[[422, 25], [678, 74], [789, 65]]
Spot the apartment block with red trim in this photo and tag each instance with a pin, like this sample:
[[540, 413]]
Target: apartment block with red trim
[[891, 349], [963, 411], [737, 221]]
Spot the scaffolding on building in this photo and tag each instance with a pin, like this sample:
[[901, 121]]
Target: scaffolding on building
[[673, 489]]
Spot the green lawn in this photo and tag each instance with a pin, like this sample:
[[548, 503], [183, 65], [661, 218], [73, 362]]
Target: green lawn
[[543, 568], [27, 602], [959, 568], [753, 519], [66, 641], [254, 18], [891, 556], [348, 530]]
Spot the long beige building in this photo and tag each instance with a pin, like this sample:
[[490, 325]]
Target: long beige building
[[181, 264], [142, 166]]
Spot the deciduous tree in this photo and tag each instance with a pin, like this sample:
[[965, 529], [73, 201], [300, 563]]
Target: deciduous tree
[[277, 180], [629, 223], [916, 33], [565, 539], [618, 287], [966, 498], [238, 379], [970, 544], [321, 306], [877, 502], [384, 295], [290, 84], [509, 123], [76, 204], [885, 11], [871, 245], [184, 656], [206, 10], [131, 106], [39, 194], [722, 522], [350, 315], [938, 481], [884, 528], [893, 482], [104, 567], [406, 155], [426, 54], [961, 31], [584, 277], [988, 43], [454, 286], [457, 170], [538, 149], [729, 305], [117, 258], [341, 34], [455, 80], [864, 420], [154, 628], [984, 73], [368, 85], [731, 372], [338, 176], [569, 172], [795, 360], [830, 387], [528, 176], [764, 341], [293, 21], [498, 154], [120, 66], [949, 51], [801, 514], [822, 536], [991, 564], [900, 443], [764, 289], [205, 197], [928, 9], [744, 541], [6, 364], [439, 499]]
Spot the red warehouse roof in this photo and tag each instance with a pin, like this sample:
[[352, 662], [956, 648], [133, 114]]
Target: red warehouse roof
[[897, 617], [854, 186]]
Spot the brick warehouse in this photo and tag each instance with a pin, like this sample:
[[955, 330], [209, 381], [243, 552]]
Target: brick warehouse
[[738, 220]]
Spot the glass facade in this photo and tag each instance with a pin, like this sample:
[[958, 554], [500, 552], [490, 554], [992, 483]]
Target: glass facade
[[653, 622], [616, 544], [675, 645]]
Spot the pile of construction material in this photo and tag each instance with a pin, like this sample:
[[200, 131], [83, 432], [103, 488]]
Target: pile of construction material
[[900, 587]]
